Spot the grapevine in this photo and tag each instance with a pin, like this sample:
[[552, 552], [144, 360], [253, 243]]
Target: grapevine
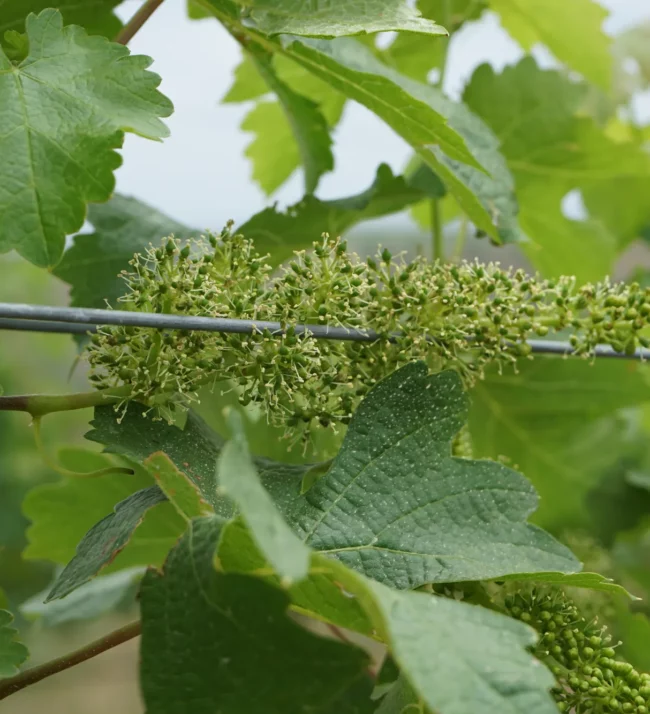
[[462, 317]]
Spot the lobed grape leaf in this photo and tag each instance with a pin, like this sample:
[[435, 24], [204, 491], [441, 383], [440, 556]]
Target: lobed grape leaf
[[571, 30], [323, 18], [549, 419], [224, 642], [12, 652], [96, 16], [280, 234], [238, 479], [52, 168], [551, 152], [397, 507], [122, 226]]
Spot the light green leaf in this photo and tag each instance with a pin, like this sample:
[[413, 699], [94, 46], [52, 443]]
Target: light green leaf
[[280, 234], [61, 513], [238, 479], [551, 152], [182, 493], [309, 136], [123, 226], [12, 652], [324, 18], [571, 30], [98, 597], [226, 640], [52, 168], [96, 16], [588, 581], [397, 507], [549, 420]]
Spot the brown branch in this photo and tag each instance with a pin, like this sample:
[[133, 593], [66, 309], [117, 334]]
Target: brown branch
[[125, 35], [36, 674]]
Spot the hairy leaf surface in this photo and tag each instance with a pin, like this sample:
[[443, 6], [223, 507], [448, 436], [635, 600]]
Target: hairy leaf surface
[[397, 507], [63, 113], [240, 650], [325, 18]]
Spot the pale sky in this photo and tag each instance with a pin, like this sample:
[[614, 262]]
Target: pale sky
[[199, 175]]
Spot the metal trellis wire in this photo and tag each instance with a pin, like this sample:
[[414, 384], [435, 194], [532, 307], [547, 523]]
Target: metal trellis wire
[[81, 321]]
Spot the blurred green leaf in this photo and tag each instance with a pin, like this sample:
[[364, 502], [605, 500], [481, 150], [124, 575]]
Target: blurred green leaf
[[280, 234], [123, 226], [571, 30], [65, 110], [551, 152], [12, 652], [324, 18]]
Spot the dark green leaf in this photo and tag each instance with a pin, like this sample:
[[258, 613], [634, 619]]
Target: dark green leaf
[[223, 642], [280, 234], [571, 30], [12, 652], [238, 479], [96, 16], [123, 226], [65, 109], [397, 507], [324, 18]]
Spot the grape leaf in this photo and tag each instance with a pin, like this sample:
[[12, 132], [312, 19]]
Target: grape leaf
[[588, 581], [238, 479], [309, 140], [240, 651], [551, 152], [397, 507], [182, 493], [12, 652], [53, 168], [96, 16], [102, 595], [323, 18], [105, 540], [571, 30], [123, 226], [549, 419], [280, 234]]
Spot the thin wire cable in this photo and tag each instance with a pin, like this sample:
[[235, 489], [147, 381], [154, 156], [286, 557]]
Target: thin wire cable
[[80, 321]]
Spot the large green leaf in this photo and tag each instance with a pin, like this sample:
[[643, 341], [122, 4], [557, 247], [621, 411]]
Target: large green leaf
[[123, 226], [63, 113], [225, 641], [12, 652], [551, 152], [96, 16], [325, 18], [571, 30], [453, 654], [282, 233], [397, 507], [238, 479], [548, 419]]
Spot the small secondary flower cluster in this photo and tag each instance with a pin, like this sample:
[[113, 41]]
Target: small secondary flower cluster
[[579, 653], [462, 317]]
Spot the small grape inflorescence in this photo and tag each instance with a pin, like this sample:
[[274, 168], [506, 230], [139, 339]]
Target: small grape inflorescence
[[579, 652], [451, 316]]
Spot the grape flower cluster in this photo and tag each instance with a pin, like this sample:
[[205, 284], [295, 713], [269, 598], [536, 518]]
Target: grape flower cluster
[[589, 677], [463, 317]]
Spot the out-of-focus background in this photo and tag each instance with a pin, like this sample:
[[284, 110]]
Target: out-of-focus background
[[198, 176]]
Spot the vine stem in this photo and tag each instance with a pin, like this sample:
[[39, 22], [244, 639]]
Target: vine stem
[[39, 405], [36, 674], [438, 250], [125, 35]]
